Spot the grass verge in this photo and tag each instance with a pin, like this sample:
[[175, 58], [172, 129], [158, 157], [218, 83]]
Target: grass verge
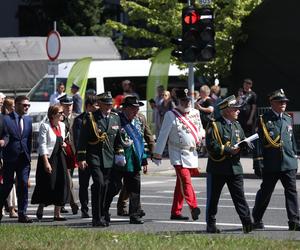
[[38, 237]]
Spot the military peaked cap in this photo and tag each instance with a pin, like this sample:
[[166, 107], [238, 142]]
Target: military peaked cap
[[105, 97], [229, 102], [66, 99], [278, 95]]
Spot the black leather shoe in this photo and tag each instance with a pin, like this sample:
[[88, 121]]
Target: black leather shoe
[[195, 213], [107, 216], [142, 213], [59, 219], [85, 214], [75, 209], [212, 229], [258, 225], [134, 220], [63, 210], [247, 228], [39, 216], [98, 223], [294, 226], [24, 219], [178, 217], [122, 213]]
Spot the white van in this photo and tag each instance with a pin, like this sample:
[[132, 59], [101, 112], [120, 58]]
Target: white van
[[102, 76]]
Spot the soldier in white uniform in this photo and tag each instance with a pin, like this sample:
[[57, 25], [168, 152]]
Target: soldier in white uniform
[[183, 130]]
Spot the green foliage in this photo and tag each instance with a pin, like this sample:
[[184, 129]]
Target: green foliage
[[82, 19], [162, 21]]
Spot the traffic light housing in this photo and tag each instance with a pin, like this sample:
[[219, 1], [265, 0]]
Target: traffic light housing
[[190, 33], [207, 35], [198, 42]]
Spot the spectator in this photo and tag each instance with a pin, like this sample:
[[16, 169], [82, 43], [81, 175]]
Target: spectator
[[128, 89], [165, 105], [77, 100], [158, 99], [11, 202], [51, 173], [60, 91], [2, 97], [205, 105], [215, 92], [247, 116]]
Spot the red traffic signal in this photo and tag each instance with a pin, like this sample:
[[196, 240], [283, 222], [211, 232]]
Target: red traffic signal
[[191, 16]]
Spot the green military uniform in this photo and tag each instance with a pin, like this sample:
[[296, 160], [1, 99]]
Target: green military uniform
[[132, 133], [220, 138], [275, 159], [224, 167], [98, 143]]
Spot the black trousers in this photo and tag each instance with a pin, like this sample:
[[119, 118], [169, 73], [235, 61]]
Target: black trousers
[[235, 184], [84, 176], [22, 169], [132, 184], [101, 177], [263, 196]]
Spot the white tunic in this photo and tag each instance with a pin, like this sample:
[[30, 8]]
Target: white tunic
[[181, 143]]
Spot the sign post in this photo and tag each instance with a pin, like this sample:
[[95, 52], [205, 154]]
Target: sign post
[[53, 46]]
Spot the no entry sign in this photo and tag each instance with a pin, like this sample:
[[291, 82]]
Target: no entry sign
[[53, 45]]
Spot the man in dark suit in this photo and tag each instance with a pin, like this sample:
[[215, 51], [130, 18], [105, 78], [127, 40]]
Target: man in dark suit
[[275, 158], [17, 155], [77, 100], [91, 105], [99, 148]]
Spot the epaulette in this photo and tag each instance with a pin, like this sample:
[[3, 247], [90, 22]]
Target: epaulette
[[114, 113], [287, 114]]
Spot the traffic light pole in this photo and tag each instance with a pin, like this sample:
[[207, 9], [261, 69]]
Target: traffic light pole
[[191, 81]]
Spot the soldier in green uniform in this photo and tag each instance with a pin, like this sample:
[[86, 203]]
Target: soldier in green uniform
[[133, 133], [224, 165], [99, 148], [275, 159]]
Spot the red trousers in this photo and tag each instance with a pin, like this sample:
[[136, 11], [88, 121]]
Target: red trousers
[[183, 190]]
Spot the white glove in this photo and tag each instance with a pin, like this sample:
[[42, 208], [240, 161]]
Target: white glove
[[120, 160], [157, 162]]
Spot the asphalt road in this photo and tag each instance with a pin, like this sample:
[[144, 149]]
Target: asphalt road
[[157, 195]]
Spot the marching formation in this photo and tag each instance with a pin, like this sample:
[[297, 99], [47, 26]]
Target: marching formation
[[112, 146]]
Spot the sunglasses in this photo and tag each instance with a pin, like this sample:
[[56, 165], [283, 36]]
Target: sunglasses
[[60, 113], [25, 105]]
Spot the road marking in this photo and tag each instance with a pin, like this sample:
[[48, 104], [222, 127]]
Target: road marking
[[218, 224]]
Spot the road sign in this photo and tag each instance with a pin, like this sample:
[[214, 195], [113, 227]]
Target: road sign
[[52, 68], [53, 45]]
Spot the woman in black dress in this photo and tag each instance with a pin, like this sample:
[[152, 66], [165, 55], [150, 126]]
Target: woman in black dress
[[51, 174]]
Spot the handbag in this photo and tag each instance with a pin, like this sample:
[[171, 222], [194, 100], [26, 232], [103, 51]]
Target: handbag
[[71, 158]]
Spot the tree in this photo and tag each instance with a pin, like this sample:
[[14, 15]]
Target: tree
[[82, 18], [159, 20]]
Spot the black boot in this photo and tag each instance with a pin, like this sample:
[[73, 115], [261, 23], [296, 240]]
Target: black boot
[[294, 226], [212, 229]]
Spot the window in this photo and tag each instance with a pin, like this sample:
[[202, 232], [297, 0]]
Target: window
[[113, 84]]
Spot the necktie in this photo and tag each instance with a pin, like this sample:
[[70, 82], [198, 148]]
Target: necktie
[[20, 125]]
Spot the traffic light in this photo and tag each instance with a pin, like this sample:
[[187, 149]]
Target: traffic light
[[207, 35], [197, 43], [190, 33]]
